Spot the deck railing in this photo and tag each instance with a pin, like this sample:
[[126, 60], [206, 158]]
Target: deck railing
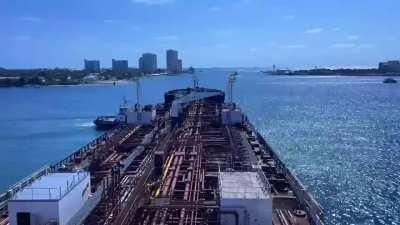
[[7, 195], [313, 208], [49, 193], [38, 194], [266, 185], [4, 197], [94, 144], [89, 205]]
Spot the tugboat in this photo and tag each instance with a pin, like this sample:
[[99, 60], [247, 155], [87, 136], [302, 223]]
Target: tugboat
[[389, 80], [108, 122], [127, 114], [105, 122], [191, 70]]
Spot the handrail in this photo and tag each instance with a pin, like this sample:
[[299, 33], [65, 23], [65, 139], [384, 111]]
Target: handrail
[[60, 192], [88, 147], [267, 186], [7, 195], [51, 196], [305, 198], [74, 184]]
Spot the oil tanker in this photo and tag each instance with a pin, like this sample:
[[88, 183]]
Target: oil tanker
[[193, 159]]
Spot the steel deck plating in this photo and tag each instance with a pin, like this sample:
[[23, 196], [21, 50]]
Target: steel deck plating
[[172, 171]]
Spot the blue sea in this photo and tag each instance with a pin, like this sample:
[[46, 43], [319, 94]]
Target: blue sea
[[341, 135]]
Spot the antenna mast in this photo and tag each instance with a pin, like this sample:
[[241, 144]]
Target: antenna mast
[[231, 81], [195, 81], [138, 94]]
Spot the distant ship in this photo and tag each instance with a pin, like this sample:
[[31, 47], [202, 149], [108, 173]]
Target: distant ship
[[389, 81], [108, 122], [266, 72], [105, 122], [126, 114], [191, 70]]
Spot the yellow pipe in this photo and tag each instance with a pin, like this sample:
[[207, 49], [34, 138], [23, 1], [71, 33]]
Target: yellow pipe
[[169, 160]]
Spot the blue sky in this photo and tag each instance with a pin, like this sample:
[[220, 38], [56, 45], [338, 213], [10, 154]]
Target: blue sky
[[207, 33]]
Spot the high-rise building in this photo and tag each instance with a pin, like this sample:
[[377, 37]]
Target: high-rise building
[[179, 66], [174, 64], [148, 63], [172, 61], [119, 65], [92, 66], [390, 66]]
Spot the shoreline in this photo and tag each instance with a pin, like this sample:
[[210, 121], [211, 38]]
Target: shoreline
[[97, 83], [124, 81], [337, 75], [92, 83]]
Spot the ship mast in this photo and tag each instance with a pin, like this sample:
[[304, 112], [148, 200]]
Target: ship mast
[[195, 81], [231, 81], [138, 95]]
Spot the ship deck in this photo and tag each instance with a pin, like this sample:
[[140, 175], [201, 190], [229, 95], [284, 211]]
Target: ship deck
[[163, 174]]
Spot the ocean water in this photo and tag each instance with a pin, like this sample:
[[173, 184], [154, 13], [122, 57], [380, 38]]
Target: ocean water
[[341, 135]]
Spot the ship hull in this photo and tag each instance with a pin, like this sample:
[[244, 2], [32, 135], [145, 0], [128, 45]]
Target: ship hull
[[105, 123]]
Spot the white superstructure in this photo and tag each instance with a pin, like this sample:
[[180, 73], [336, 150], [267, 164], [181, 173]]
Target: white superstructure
[[196, 94], [230, 114], [54, 198], [139, 117], [244, 199]]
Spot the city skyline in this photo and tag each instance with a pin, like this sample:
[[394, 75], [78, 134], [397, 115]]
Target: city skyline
[[147, 63], [123, 64], [174, 64], [238, 33]]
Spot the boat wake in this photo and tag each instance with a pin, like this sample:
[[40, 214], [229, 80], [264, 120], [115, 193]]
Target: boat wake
[[85, 124]]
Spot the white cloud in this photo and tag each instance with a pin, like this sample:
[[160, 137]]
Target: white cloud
[[295, 46], [366, 45], [353, 45], [215, 9], [244, 1], [353, 37], [289, 17], [153, 2], [272, 44], [135, 27], [224, 32], [30, 19], [23, 38], [241, 3], [221, 45], [316, 30], [112, 21], [344, 45], [286, 46], [255, 49], [167, 38]]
